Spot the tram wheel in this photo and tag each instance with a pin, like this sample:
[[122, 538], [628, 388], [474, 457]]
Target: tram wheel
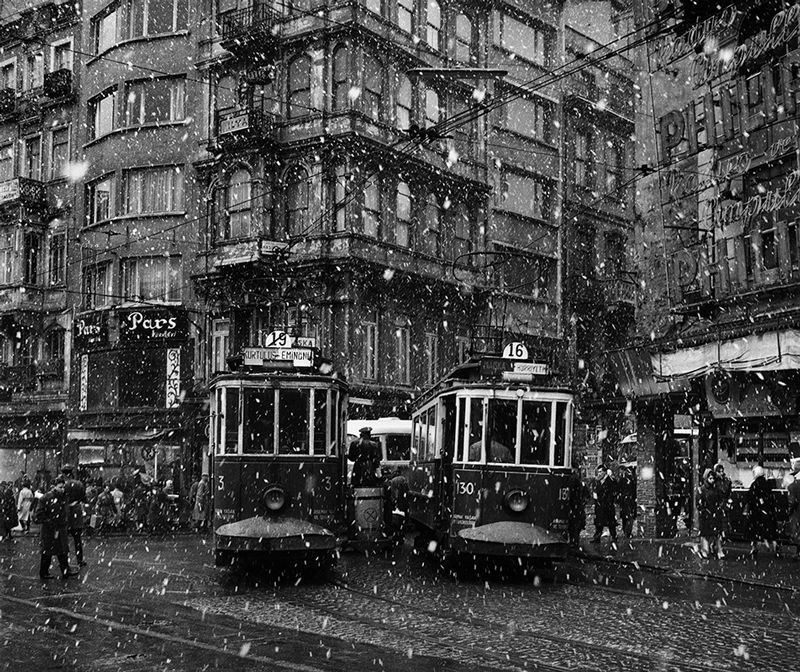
[[223, 558]]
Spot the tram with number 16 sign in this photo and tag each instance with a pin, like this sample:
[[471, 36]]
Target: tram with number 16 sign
[[491, 458], [278, 434]]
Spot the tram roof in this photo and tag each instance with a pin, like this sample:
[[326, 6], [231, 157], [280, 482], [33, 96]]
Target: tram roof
[[286, 375]]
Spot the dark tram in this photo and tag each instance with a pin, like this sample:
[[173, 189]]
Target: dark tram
[[491, 458], [278, 439]]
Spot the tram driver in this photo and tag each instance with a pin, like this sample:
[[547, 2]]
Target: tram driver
[[365, 453]]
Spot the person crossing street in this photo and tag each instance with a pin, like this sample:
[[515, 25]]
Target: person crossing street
[[51, 513], [75, 492]]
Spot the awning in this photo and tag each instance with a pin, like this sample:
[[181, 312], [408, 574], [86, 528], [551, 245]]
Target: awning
[[634, 372], [771, 351]]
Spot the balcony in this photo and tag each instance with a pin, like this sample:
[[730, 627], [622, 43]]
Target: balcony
[[16, 378], [240, 127], [59, 84], [52, 369], [28, 299], [619, 292], [251, 29], [8, 102], [23, 191]]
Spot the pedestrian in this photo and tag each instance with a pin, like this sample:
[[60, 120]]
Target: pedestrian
[[52, 514], [726, 489], [158, 507], [605, 496], [75, 491], [365, 454], [578, 497], [105, 511], [25, 500], [794, 505], [626, 490], [139, 504], [711, 515], [8, 511], [201, 511], [682, 492], [119, 506], [761, 511]]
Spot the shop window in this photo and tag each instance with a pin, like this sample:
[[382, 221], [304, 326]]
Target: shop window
[[155, 101], [142, 372], [153, 190]]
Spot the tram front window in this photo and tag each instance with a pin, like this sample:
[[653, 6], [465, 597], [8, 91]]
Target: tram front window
[[535, 432], [259, 421], [320, 420], [231, 421], [502, 436], [293, 420], [475, 429]]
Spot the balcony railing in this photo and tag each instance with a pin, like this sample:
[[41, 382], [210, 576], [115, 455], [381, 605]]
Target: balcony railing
[[243, 126], [619, 291], [17, 378], [58, 84], [251, 27], [24, 191]]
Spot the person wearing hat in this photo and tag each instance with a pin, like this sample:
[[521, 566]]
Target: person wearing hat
[[794, 504], [51, 513], [365, 454], [761, 511], [75, 492], [201, 511]]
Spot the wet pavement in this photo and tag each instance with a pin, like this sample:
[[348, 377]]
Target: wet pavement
[[160, 604]]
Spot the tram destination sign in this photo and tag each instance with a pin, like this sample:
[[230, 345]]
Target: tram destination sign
[[300, 357]]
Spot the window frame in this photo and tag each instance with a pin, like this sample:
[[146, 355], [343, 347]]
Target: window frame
[[12, 62], [303, 91], [403, 352], [133, 272], [92, 202], [176, 194], [91, 273], [25, 167], [57, 258], [408, 9], [55, 173], [68, 41], [133, 118], [433, 25], [95, 113], [542, 51], [371, 346], [400, 222], [96, 22], [300, 214]]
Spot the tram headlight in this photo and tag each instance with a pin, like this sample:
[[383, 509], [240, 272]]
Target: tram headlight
[[517, 501], [274, 499]]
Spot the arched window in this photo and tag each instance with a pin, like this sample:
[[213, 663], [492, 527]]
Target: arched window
[[237, 206], [434, 27], [373, 87], [403, 215], [432, 111], [464, 51], [299, 97], [404, 102], [430, 227], [340, 81], [297, 202]]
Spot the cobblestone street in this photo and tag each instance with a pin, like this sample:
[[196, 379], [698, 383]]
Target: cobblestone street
[[147, 604]]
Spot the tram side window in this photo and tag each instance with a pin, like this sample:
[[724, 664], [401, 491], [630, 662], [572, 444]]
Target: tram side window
[[293, 421], [502, 437], [231, 420], [320, 420], [259, 421], [561, 434], [475, 429], [431, 433], [460, 430], [398, 447], [535, 432]]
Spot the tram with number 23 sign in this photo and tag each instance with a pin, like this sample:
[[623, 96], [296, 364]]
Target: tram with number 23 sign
[[491, 457], [278, 434]]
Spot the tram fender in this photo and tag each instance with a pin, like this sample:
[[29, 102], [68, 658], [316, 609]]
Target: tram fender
[[510, 537], [277, 533]]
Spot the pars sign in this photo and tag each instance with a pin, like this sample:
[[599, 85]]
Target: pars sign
[[152, 325]]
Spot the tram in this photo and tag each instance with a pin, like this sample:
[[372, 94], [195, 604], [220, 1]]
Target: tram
[[278, 432], [490, 467]]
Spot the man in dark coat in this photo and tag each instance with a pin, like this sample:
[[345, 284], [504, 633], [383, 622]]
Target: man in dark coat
[[626, 490], [761, 510], [365, 454], [605, 496], [8, 511], [75, 492], [51, 513]]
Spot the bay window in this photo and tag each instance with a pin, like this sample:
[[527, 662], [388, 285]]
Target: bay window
[[530, 42], [97, 285], [155, 101], [153, 190], [100, 204], [403, 215], [154, 17], [102, 114], [152, 279]]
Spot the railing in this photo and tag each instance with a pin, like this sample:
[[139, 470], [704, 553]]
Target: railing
[[237, 124], [23, 189], [58, 83], [618, 291], [240, 24]]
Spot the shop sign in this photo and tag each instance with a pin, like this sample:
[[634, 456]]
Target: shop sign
[[153, 325], [90, 330]]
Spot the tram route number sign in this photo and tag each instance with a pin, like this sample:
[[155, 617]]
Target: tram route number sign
[[516, 350], [280, 339], [300, 357]]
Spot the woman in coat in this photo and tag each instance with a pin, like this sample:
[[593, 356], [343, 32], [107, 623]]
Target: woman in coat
[[25, 506], [711, 512], [761, 510]]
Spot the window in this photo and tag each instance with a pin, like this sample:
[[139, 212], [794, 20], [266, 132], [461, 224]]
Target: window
[[375, 6], [102, 114], [56, 258], [104, 29], [220, 333], [97, 285], [237, 206], [526, 41], [463, 43], [32, 157], [755, 94], [613, 171], [8, 75], [581, 160], [434, 24], [535, 432], [432, 109], [259, 421], [151, 279], [430, 222], [769, 242], [403, 214], [297, 202], [299, 98], [155, 101], [33, 245], [61, 56], [615, 262], [529, 275], [7, 256], [373, 88], [6, 162], [462, 234], [33, 71], [403, 342], [154, 17], [404, 102], [372, 208], [462, 349], [341, 81], [101, 200], [54, 345], [431, 357], [59, 152], [339, 195], [405, 15], [153, 190], [371, 347], [529, 117], [525, 195]]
